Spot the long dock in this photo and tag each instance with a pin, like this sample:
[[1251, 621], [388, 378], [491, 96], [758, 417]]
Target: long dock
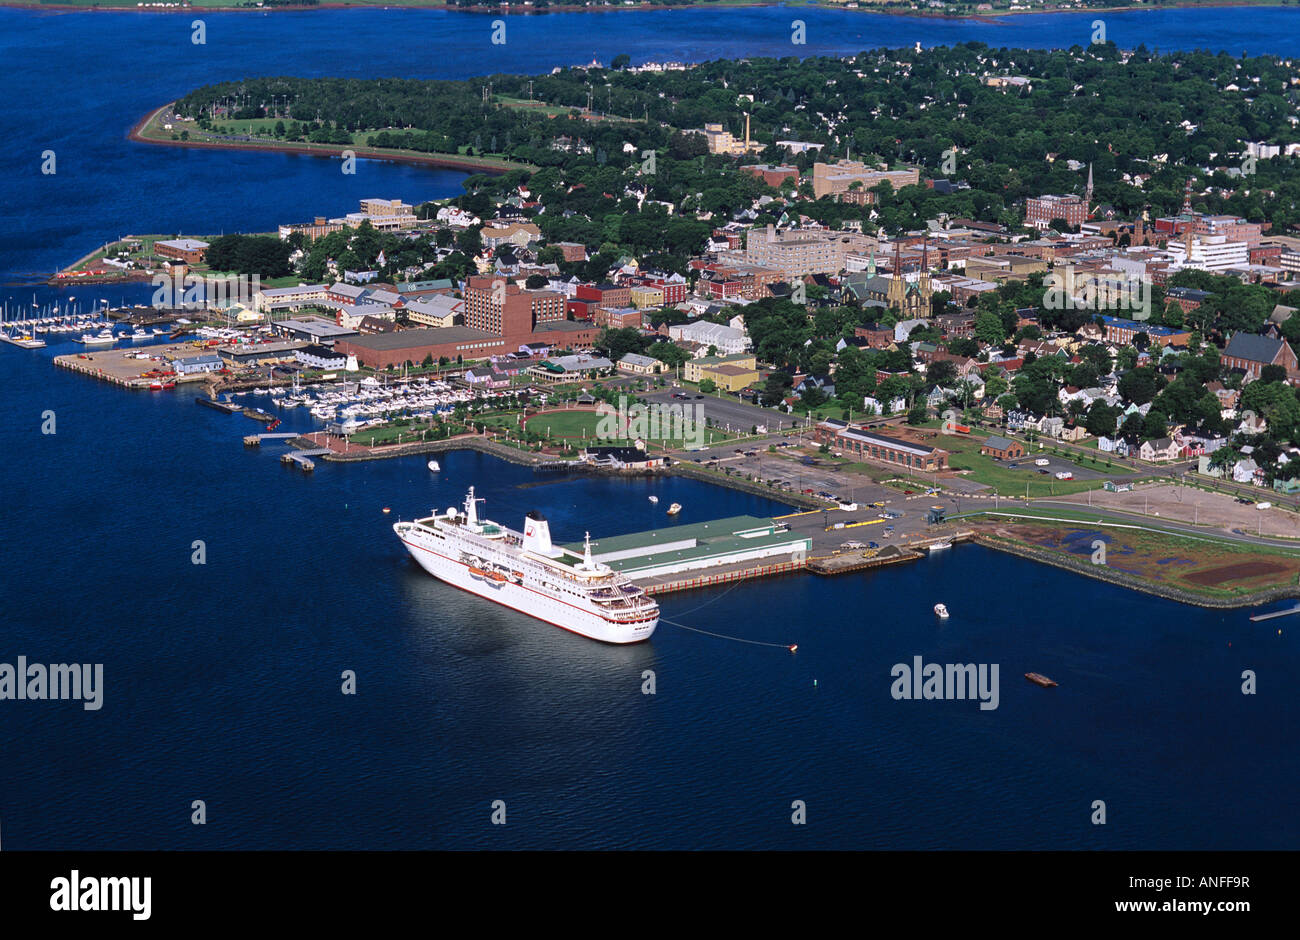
[[302, 457], [253, 440], [711, 577], [1276, 613], [228, 407]]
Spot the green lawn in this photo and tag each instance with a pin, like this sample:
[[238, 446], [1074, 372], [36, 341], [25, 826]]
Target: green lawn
[[579, 426], [965, 455]]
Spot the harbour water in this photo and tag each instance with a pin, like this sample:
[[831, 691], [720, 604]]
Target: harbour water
[[222, 681]]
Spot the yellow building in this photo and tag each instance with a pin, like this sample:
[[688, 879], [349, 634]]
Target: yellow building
[[693, 369], [730, 378], [643, 297]]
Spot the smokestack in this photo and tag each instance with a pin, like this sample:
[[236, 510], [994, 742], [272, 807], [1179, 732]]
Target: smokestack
[[746, 131], [537, 534]]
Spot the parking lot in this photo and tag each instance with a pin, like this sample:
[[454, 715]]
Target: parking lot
[[726, 411], [1055, 465]]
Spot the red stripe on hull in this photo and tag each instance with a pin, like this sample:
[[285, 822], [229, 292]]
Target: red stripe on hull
[[520, 609]]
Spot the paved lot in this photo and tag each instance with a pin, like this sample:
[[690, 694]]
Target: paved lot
[[1188, 504], [726, 410], [1055, 465]]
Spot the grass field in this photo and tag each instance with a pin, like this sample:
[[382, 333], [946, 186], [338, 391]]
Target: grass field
[[965, 455], [1205, 566], [577, 426]]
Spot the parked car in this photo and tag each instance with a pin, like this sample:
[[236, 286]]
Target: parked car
[[1044, 471]]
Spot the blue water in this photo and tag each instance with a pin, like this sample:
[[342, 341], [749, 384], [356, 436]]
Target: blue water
[[223, 680]]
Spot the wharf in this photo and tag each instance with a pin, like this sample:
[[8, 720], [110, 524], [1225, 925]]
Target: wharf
[[846, 562], [120, 367], [710, 577], [1276, 613], [229, 408], [303, 458], [253, 440]]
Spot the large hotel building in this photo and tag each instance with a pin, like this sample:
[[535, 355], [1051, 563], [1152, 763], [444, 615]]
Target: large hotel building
[[495, 305], [1040, 211]]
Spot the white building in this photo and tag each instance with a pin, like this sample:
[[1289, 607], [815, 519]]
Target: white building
[[1210, 253], [728, 340]]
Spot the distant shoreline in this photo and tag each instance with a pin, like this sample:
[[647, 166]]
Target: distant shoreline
[[444, 161], [983, 16]]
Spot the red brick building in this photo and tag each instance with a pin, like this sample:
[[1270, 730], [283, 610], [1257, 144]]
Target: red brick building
[[457, 343], [497, 306], [1249, 353], [772, 175], [878, 448], [605, 295], [1041, 210]]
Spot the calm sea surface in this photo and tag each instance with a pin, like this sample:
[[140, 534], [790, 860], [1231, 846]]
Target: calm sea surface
[[222, 681]]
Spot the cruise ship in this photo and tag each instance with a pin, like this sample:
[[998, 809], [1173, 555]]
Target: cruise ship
[[525, 572]]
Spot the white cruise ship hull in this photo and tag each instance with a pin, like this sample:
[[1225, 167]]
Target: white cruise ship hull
[[525, 599]]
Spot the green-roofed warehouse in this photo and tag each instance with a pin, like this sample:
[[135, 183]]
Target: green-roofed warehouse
[[699, 545]]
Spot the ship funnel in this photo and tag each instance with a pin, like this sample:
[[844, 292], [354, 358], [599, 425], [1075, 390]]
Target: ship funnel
[[537, 534]]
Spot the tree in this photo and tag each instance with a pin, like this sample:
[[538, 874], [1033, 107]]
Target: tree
[[989, 328], [1272, 373], [621, 61], [918, 413], [1101, 419], [942, 372], [708, 386], [1139, 386]]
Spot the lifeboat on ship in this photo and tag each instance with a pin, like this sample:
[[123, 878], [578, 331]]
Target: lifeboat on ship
[[494, 578]]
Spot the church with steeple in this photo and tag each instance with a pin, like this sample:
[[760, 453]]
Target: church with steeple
[[907, 300]]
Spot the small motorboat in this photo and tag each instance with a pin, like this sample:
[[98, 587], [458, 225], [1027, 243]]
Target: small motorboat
[[674, 509], [1037, 678], [940, 546], [941, 611], [654, 499], [434, 466]]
